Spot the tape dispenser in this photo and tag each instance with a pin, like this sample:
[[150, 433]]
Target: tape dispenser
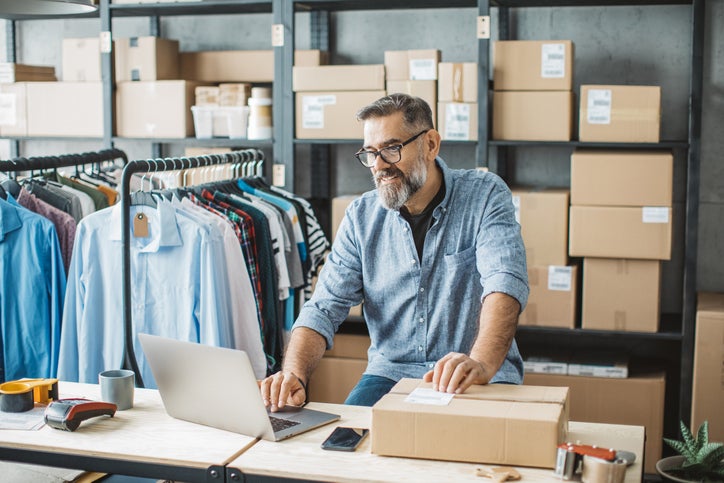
[[592, 464], [21, 395]]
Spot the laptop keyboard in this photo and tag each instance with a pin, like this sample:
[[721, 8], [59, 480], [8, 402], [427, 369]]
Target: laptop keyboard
[[279, 424]]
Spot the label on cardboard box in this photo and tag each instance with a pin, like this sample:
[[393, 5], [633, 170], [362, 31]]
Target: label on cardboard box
[[426, 395], [560, 278], [599, 106], [423, 69], [655, 214], [313, 110], [8, 109], [457, 121], [553, 61]]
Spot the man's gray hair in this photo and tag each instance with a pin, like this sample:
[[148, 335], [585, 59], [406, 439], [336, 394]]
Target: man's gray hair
[[415, 111]]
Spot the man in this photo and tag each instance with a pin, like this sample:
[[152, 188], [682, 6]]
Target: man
[[437, 257]]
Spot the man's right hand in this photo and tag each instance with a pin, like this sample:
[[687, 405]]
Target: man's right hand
[[282, 389]]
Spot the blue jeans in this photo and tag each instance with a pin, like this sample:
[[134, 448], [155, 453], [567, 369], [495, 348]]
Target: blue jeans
[[369, 390]]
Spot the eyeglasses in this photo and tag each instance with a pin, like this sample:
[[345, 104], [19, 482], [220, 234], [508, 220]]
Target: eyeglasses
[[389, 154]]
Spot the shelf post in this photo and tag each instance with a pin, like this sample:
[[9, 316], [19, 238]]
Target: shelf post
[[481, 150], [107, 73], [283, 103], [691, 235]]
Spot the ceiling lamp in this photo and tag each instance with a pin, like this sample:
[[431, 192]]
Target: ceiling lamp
[[16, 8]]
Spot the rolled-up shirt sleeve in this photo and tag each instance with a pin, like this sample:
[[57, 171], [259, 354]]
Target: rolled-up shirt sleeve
[[338, 288], [500, 252]]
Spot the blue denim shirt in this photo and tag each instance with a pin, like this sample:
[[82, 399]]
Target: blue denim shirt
[[417, 311]]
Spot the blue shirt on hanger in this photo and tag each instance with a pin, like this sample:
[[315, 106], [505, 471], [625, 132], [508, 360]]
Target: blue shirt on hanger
[[32, 287], [175, 291]]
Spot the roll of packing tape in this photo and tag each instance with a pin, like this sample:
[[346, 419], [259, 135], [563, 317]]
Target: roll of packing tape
[[17, 403], [596, 470], [259, 101]]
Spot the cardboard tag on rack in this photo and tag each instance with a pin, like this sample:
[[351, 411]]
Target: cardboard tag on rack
[[140, 226]]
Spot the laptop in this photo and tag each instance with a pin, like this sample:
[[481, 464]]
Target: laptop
[[217, 387]]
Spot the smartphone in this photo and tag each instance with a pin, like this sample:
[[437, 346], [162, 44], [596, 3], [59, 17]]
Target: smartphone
[[345, 439]]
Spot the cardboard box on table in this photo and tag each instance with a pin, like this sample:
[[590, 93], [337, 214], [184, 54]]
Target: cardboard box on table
[[495, 424]]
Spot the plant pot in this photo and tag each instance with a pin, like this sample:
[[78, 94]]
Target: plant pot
[[664, 464]]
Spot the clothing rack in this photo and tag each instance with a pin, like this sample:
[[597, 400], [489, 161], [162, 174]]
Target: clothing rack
[[36, 163], [244, 158]]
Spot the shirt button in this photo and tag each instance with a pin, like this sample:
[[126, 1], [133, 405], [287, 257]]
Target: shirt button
[[412, 262], [422, 320], [422, 289], [419, 348], [431, 365]]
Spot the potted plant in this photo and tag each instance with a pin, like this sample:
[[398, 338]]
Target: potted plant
[[698, 459]]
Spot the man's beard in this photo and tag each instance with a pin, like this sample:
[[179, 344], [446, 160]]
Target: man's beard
[[393, 195]]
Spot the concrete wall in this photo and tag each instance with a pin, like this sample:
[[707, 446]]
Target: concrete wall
[[626, 45]]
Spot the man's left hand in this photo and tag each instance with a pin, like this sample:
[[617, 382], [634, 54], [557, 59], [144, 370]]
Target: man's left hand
[[456, 372]]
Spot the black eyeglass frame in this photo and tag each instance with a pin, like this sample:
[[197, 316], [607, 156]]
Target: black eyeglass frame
[[362, 154]]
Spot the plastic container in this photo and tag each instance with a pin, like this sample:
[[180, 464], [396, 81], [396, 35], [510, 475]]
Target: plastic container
[[224, 122]]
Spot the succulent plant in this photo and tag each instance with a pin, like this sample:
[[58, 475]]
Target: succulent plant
[[703, 461]]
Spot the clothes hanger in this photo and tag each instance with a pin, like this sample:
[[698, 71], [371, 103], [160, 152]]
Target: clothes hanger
[[141, 197]]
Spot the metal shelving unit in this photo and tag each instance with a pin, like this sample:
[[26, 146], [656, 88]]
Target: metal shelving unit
[[674, 342]]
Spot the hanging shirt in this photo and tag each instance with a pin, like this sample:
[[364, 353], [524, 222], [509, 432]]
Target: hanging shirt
[[64, 223], [246, 330], [174, 291], [32, 287]]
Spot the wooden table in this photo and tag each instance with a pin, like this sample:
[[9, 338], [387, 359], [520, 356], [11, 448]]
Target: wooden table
[[142, 441], [301, 457]]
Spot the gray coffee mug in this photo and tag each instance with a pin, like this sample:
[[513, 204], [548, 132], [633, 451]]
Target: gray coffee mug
[[117, 387]]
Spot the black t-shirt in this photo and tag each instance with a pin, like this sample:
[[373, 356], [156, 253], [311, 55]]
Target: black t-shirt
[[419, 224]]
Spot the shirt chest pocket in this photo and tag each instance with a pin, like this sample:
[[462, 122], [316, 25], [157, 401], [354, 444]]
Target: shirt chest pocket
[[461, 259]]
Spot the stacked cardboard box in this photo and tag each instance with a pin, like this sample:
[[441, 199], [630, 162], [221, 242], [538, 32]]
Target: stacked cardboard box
[[533, 98], [458, 101], [543, 218], [340, 369], [708, 390], [329, 96], [620, 113], [621, 223], [339, 206], [11, 72], [413, 72], [636, 400]]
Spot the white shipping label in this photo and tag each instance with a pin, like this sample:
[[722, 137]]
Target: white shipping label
[[313, 110], [599, 106], [655, 214], [425, 395], [457, 121], [553, 61], [423, 69], [8, 109], [560, 278], [516, 207]]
